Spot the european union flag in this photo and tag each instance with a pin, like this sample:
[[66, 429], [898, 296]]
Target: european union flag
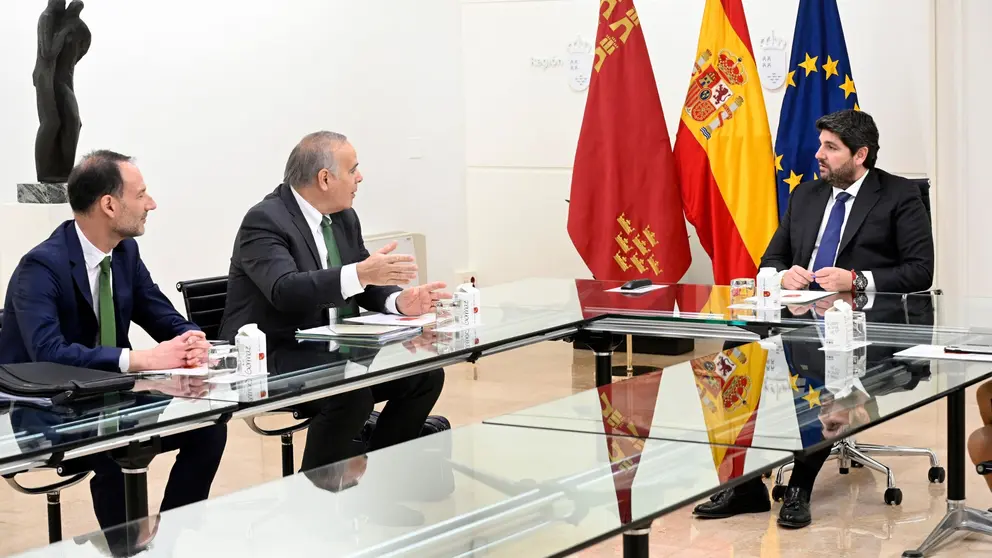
[[819, 82]]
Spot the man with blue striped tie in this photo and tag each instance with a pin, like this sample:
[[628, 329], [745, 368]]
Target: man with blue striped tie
[[856, 229]]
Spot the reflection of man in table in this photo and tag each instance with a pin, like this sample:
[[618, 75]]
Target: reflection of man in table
[[807, 367]]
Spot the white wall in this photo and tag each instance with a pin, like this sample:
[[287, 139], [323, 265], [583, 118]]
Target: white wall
[[211, 96], [522, 123], [963, 121]]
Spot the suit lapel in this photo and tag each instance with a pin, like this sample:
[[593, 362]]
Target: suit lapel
[[341, 237], [300, 221], [813, 219], [865, 200], [78, 264]]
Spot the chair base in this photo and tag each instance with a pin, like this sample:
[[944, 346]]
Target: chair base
[[848, 452], [959, 518]]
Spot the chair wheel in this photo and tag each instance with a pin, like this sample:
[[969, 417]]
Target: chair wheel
[[857, 465], [936, 474], [844, 470], [912, 554], [893, 496], [778, 492]]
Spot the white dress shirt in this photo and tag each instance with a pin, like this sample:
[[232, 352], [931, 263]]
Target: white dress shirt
[[853, 191], [93, 256], [350, 285]]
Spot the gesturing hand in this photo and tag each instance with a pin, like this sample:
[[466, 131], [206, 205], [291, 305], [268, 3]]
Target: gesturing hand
[[383, 268], [419, 300]]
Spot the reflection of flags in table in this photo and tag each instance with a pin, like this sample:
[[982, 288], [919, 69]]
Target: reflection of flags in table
[[806, 390], [729, 386], [628, 409]]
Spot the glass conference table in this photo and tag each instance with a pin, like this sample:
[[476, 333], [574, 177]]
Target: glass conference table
[[513, 315], [561, 476]]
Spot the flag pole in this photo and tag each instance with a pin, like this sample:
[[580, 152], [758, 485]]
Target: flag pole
[[629, 370], [630, 355]]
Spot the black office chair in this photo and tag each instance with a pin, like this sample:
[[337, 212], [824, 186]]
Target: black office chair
[[53, 491], [54, 494], [924, 185], [205, 300]]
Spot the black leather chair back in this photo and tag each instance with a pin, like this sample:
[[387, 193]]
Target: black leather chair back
[[924, 185], [205, 299], [1, 318]]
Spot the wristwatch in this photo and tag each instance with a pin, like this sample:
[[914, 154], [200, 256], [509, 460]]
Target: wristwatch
[[859, 280]]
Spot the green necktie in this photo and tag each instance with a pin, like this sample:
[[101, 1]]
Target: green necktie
[[108, 323], [334, 259], [333, 256]]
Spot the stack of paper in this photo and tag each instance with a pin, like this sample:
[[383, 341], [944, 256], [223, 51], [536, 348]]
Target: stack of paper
[[358, 333], [393, 320]]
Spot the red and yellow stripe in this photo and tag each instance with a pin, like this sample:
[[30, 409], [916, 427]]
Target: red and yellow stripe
[[728, 179]]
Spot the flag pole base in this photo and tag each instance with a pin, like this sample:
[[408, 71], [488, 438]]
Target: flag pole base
[[623, 371]]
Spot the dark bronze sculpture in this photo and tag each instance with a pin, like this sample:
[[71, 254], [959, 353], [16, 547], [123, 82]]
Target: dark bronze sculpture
[[63, 40]]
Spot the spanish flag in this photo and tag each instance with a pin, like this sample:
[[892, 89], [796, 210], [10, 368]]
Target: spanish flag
[[729, 386], [723, 149]]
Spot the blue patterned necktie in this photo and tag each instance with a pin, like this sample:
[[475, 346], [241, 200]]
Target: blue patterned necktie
[[827, 252]]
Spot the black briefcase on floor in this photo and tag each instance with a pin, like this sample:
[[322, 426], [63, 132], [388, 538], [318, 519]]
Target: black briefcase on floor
[[57, 383]]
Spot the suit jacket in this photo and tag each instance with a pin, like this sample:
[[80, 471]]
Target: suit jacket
[[48, 313], [887, 232], [276, 279]]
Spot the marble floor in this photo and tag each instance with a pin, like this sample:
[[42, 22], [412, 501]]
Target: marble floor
[[850, 518]]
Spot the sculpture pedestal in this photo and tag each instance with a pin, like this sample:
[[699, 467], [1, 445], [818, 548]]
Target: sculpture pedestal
[[42, 192]]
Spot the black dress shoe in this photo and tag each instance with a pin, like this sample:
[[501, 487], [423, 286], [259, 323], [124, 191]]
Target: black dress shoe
[[795, 509], [734, 501]]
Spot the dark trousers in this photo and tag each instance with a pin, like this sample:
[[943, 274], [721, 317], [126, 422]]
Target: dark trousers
[[804, 472], [338, 420], [199, 456]]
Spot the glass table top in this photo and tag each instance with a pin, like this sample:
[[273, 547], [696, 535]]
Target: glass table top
[[300, 367], [784, 393], [28, 430], [712, 304], [479, 490]]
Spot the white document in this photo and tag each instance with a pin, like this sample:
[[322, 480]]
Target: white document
[[641, 290], [937, 352], [797, 297], [359, 329], [393, 320]]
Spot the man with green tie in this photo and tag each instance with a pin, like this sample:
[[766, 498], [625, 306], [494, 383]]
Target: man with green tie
[[72, 298], [299, 262]]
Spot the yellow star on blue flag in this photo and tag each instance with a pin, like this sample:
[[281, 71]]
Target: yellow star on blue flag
[[821, 82]]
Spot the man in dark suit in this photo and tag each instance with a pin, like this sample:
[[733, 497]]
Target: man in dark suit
[[858, 230], [72, 298], [299, 262]]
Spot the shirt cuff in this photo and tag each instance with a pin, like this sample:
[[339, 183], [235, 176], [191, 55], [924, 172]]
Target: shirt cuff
[[391, 303], [871, 281], [124, 362], [350, 285]]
